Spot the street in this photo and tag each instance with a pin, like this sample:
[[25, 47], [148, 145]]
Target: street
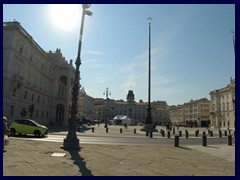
[[116, 138]]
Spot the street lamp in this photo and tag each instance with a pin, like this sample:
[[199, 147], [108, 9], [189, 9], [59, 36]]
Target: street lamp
[[107, 92], [71, 141]]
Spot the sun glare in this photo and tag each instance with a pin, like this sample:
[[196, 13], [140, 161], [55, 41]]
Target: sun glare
[[65, 16]]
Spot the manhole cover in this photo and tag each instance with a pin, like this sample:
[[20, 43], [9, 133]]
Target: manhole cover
[[58, 154]]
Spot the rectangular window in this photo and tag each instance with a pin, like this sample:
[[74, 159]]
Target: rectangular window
[[47, 114], [42, 114], [11, 110], [38, 100], [36, 113], [25, 95], [32, 97], [14, 92]]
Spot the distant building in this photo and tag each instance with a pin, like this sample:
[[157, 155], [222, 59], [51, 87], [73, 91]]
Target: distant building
[[85, 105], [177, 115], [196, 112], [32, 76], [222, 108], [137, 111]]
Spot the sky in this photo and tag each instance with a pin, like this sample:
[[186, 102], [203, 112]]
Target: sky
[[192, 50]]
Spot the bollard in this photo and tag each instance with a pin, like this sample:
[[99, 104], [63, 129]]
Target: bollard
[[134, 131], [168, 134], [151, 134], [106, 130], [163, 134], [229, 139], [204, 140], [211, 133], [147, 133], [120, 130], [186, 132], [220, 133], [174, 130], [229, 131], [180, 133], [93, 129], [176, 142]]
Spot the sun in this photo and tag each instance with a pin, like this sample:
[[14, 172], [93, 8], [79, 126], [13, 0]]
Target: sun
[[65, 16]]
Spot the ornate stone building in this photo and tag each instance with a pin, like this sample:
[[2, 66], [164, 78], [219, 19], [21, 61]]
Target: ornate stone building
[[32, 76], [137, 111], [222, 108]]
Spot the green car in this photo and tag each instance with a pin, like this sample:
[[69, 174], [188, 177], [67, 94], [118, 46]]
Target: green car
[[28, 126]]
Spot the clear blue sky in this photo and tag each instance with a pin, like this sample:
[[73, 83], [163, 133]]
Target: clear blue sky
[[192, 48]]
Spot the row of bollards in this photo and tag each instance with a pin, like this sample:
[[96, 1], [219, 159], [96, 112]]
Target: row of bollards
[[176, 143], [204, 140]]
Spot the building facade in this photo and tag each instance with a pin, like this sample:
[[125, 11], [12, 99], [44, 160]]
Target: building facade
[[137, 111], [194, 113], [32, 76], [197, 112], [85, 105], [222, 109], [177, 115]]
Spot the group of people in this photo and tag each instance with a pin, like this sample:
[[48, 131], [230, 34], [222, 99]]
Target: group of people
[[5, 131]]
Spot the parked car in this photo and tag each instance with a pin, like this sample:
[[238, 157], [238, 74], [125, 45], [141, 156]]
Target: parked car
[[28, 126]]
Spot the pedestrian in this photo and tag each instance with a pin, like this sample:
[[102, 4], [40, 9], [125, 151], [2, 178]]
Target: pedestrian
[[5, 132]]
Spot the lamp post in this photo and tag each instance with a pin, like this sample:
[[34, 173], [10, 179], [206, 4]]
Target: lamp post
[[71, 141], [149, 125], [107, 92]]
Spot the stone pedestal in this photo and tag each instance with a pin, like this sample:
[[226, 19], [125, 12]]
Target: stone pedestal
[[149, 127], [71, 144]]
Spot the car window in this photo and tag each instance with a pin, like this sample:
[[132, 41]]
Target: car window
[[26, 122], [31, 123], [20, 121]]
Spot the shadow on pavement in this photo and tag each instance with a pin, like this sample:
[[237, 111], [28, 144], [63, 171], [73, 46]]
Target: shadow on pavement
[[186, 148], [213, 147], [79, 161], [27, 136]]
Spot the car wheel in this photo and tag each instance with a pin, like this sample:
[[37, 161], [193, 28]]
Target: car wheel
[[37, 133], [13, 131]]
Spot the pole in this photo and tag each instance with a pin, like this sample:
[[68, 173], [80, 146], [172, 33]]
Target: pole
[[71, 141], [106, 114], [149, 118]]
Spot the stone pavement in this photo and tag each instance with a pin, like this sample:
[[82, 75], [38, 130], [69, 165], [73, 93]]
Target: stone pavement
[[25, 158]]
